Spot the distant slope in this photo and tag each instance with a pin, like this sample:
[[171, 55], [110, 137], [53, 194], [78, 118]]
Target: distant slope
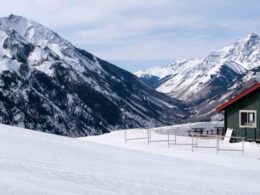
[[48, 84], [200, 81], [206, 110]]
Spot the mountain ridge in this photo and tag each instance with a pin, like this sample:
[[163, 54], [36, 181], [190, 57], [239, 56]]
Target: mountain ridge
[[198, 81], [47, 84]]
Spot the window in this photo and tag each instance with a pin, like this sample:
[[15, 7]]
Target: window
[[247, 118]]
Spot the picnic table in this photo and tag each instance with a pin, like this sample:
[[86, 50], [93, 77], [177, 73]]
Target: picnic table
[[219, 129], [196, 130]]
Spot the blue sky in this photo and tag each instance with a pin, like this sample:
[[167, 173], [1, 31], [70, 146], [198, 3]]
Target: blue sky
[[137, 34]]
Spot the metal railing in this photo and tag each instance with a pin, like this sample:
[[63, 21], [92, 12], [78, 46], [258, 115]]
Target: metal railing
[[219, 138], [194, 143], [134, 138], [176, 134], [150, 140], [219, 148], [168, 139]]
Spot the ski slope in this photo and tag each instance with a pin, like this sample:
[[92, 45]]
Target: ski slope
[[38, 163]]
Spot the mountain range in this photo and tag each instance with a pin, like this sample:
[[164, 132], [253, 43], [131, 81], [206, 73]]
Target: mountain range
[[205, 83], [48, 84]]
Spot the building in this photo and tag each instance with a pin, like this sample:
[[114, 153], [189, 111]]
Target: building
[[242, 114]]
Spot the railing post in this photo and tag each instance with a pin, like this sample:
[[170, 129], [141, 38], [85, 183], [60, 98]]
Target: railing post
[[217, 148], [243, 146], [148, 137], [192, 142], [175, 137], [125, 135], [168, 138], [196, 141]]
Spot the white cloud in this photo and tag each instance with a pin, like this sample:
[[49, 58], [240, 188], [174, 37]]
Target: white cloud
[[143, 29], [65, 12], [156, 48]]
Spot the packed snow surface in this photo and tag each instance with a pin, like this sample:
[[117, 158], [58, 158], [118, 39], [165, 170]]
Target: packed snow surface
[[37, 163]]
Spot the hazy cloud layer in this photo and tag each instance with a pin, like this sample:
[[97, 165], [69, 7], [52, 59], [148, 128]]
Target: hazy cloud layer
[[143, 29]]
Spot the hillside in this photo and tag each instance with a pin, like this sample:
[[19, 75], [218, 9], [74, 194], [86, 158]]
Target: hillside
[[47, 84], [199, 82]]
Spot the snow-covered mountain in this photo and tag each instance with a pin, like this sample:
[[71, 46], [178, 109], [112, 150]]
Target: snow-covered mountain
[[206, 110], [48, 84], [199, 81]]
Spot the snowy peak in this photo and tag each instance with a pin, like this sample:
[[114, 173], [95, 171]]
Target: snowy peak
[[50, 85], [18, 23], [32, 31], [163, 71], [245, 52], [38, 35], [239, 56], [21, 25], [252, 36], [200, 81], [47, 46]]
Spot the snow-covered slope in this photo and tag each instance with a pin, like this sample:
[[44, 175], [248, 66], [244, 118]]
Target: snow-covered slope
[[191, 78], [48, 84], [207, 110], [157, 76], [39, 163], [202, 80], [245, 52]]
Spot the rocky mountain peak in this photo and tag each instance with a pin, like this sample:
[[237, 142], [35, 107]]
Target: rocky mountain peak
[[47, 84], [245, 51], [32, 31], [252, 36]]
